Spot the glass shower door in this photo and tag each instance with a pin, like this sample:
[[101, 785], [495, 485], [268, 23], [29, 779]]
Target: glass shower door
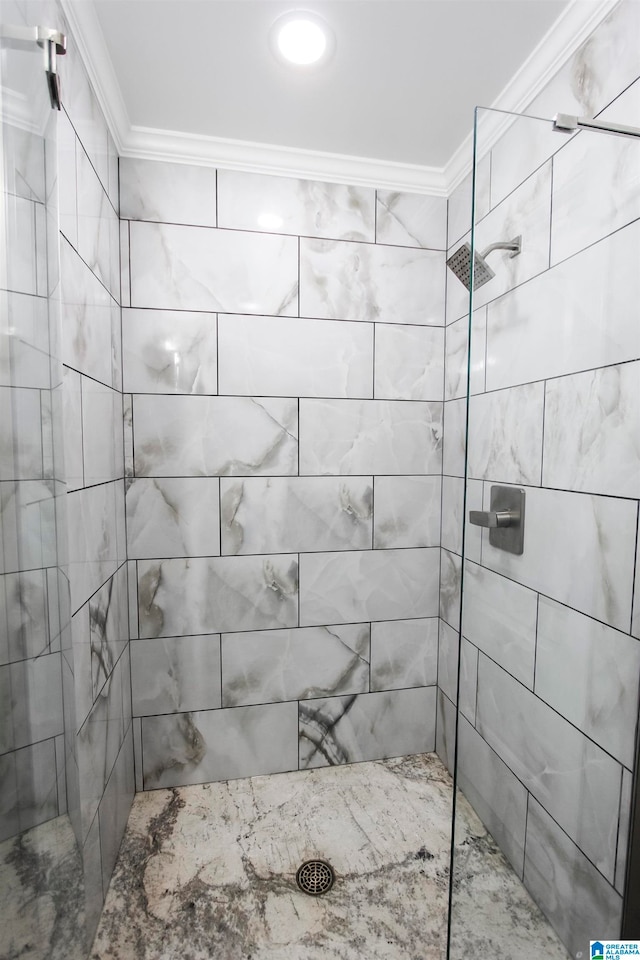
[[41, 892], [544, 712]]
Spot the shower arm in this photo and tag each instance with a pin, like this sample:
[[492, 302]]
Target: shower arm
[[514, 245]]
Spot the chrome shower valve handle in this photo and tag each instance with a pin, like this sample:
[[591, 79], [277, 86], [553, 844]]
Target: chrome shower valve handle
[[494, 518]]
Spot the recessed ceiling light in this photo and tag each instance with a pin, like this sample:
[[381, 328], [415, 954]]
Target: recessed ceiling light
[[302, 38]]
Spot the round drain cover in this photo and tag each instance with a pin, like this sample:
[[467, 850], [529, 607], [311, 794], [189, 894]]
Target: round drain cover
[[315, 877]]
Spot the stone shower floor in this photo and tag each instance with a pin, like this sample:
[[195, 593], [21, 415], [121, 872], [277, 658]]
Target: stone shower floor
[[209, 872]]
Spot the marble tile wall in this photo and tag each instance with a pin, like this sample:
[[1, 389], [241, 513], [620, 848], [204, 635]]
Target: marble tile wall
[[34, 604], [96, 665], [283, 348], [550, 663]]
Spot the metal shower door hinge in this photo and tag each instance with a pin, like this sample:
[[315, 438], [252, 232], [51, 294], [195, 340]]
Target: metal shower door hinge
[[52, 42], [505, 519]]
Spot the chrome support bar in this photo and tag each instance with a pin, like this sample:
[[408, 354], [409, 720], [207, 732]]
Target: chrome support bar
[[567, 123], [54, 45], [25, 36]]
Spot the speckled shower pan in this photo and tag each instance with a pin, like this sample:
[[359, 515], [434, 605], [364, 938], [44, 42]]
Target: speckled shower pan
[[209, 871]]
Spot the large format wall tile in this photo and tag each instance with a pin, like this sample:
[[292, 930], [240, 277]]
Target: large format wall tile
[[411, 220], [277, 356], [580, 903], [219, 744], [589, 673], [370, 726], [370, 437], [454, 440], [200, 268], [505, 435], [205, 436], [94, 539], [185, 597], [173, 517], [526, 212], [368, 585], [23, 360], [250, 201], [585, 306], [408, 362], [457, 356], [591, 431], [499, 616], [86, 318], [171, 192], [101, 432], [450, 652], [98, 227], [297, 514], [358, 281], [274, 665], [407, 512], [496, 795], [175, 674], [602, 168], [168, 351], [21, 455], [404, 653], [567, 557], [576, 781], [28, 516]]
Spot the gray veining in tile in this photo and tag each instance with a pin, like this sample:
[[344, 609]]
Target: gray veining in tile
[[589, 673], [411, 220], [219, 744], [370, 437], [171, 192], [297, 514], [579, 550], [580, 903], [592, 431], [169, 351], [175, 674], [311, 662], [505, 435], [278, 356], [404, 653], [368, 585], [499, 617], [358, 281], [408, 362], [407, 512], [173, 517], [368, 726], [176, 267], [555, 762], [205, 436], [210, 595], [251, 201]]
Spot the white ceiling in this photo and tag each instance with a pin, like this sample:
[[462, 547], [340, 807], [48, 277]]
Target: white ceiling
[[401, 85], [195, 80]]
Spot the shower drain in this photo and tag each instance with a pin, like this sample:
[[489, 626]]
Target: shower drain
[[315, 877]]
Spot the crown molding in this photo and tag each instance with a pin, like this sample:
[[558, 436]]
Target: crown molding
[[146, 143], [88, 36], [570, 30], [577, 21]]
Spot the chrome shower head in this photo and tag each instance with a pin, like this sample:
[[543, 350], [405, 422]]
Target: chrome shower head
[[460, 262]]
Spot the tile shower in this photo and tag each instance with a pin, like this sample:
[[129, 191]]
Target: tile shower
[[262, 415], [284, 437]]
